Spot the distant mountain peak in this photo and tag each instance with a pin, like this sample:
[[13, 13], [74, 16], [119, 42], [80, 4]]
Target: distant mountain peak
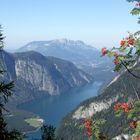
[[63, 40], [68, 41], [65, 43]]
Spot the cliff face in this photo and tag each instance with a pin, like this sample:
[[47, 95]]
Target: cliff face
[[121, 88], [36, 75]]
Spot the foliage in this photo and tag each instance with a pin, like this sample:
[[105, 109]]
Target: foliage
[[5, 92], [132, 112], [129, 51], [92, 128], [126, 56], [48, 132]]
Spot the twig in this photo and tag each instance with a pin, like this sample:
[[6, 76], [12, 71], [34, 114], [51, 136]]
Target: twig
[[136, 76]]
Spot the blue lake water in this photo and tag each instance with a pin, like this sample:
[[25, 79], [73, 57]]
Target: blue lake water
[[52, 109]]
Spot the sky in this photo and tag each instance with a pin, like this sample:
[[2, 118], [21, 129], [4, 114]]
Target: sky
[[100, 23]]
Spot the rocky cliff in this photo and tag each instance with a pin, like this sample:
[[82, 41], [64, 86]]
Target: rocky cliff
[[36, 75]]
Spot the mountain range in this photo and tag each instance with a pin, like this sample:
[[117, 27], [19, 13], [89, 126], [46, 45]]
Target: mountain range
[[44, 68], [84, 56], [36, 75]]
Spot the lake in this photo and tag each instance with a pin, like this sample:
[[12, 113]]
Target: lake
[[52, 109]]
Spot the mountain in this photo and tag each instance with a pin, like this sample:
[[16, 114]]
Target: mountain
[[82, 55], [36, 75], [121, 89], [63, 48]]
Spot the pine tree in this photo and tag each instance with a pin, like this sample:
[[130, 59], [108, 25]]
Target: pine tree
[[5, 93], [48, 132]]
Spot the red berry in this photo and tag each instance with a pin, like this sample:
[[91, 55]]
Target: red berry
[[88, 132], [126, 110], [87, 123], [122, 43], [104, 51], [137, 137], [117, 106], [116, 61], [130, 41], [124, 105], [132, 124]]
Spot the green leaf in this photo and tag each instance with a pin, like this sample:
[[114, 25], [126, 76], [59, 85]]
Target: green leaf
[[135, 11], [120, 58], [110, 54], [118, 67], [81, 126], [123, 49]]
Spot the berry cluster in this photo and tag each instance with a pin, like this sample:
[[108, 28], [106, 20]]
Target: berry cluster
[[124, 106], [127, 41], [133, 125], [87, 125], [117, 106], [104, 51], [124, 56], [137, 137], [130, 109]]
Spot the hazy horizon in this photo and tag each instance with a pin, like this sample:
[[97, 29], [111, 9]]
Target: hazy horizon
[[94, 22]]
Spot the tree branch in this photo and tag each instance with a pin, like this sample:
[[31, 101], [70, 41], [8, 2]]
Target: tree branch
[[136, 76]]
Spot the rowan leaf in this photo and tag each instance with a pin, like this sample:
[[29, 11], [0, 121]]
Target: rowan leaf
[[135, 11]]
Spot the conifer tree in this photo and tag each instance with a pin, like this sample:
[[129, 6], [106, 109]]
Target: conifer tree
[[48, 132], [5, 93]]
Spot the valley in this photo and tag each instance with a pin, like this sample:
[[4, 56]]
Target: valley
[[70, 70], [47, 87], [53, 109]]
